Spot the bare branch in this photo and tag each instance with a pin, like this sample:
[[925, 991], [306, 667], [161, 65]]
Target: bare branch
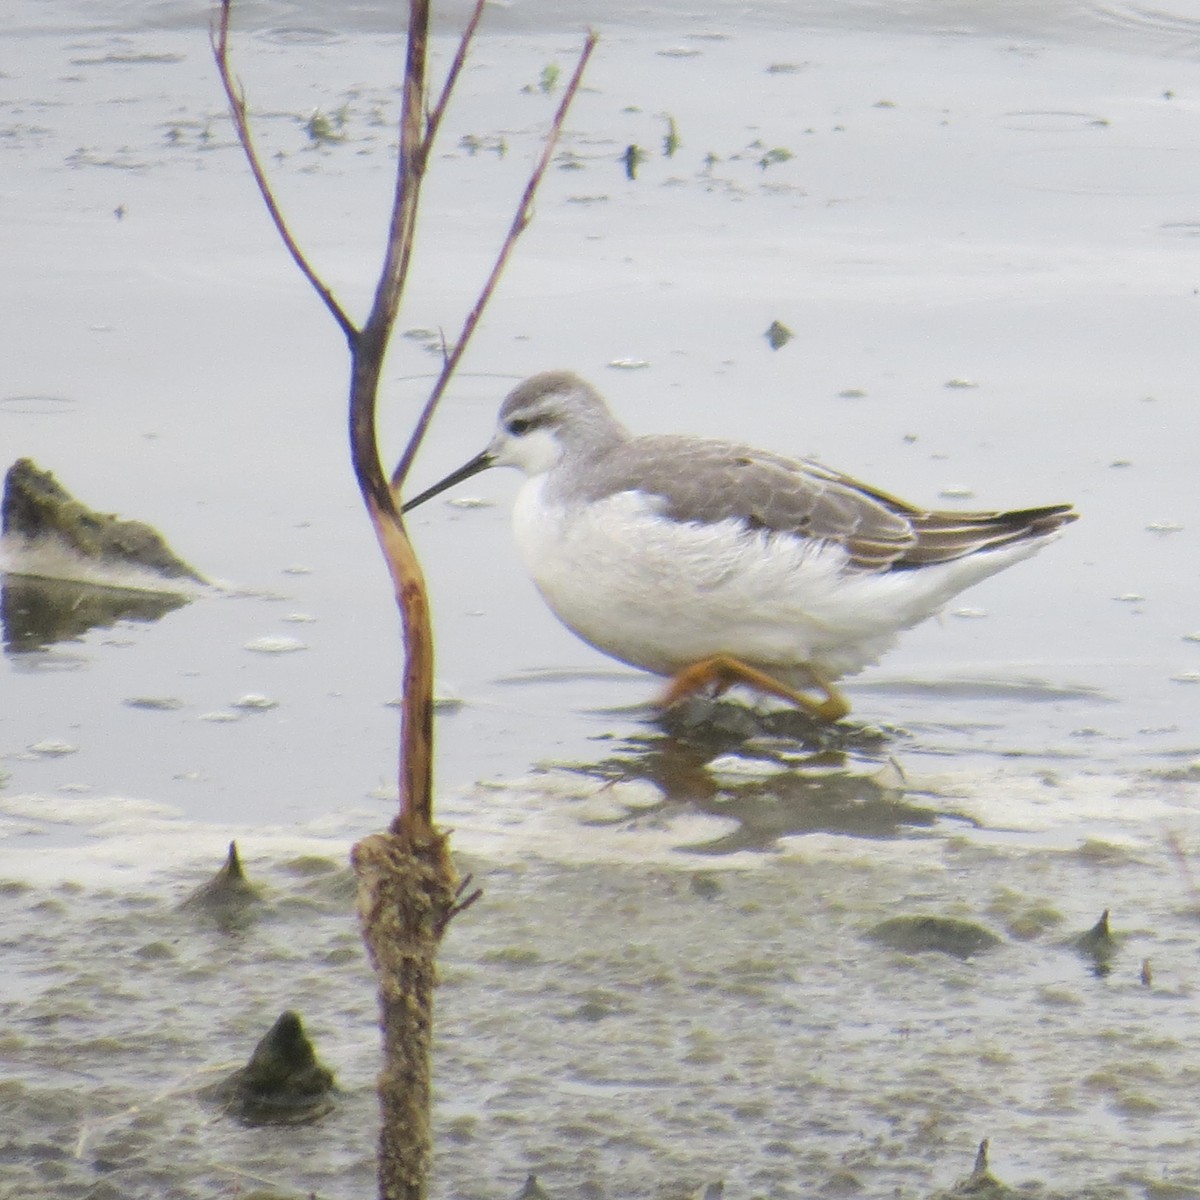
[[519, 224], [367, 353], [464, 44], [408, 890], [416, 141], [237, 109], [462, 901], [414, 154]]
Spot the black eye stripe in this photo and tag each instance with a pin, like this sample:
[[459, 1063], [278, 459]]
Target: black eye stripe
[[522, 425]]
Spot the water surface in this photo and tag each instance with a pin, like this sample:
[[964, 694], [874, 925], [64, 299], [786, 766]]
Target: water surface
[[980, 224]]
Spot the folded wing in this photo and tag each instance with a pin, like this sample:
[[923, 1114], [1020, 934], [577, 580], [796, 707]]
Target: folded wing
[[709, 481]]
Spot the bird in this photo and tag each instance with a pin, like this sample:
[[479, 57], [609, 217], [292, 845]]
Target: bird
[[713, 563]]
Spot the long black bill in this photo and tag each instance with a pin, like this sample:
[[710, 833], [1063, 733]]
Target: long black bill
[[480, 462]]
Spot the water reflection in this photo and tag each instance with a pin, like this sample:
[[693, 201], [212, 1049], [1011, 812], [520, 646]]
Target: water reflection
[[776, 774], [36, 613]]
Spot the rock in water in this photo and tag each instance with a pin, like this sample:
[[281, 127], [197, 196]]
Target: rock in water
[[37, 509], [282, 1084]]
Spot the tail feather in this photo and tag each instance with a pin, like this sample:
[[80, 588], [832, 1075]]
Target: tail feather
[[945, 536]]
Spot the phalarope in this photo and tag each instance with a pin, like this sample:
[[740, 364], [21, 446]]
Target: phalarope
[[715, 563]]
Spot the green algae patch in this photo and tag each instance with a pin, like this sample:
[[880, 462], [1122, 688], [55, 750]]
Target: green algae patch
[[37, 508], [942, 935]]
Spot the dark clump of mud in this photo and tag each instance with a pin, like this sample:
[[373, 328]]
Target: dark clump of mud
[[719, 726], [229, 897], [282, 1084], [1098, 946], [981, 1182], [943, 935], [532, 1190], [37, 508]]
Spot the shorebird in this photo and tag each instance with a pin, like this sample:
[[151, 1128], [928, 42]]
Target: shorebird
[[717, 564]]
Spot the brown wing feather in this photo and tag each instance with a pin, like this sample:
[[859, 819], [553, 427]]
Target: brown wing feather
[[943, 536]]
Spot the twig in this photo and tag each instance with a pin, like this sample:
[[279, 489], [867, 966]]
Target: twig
[[408, 890], [462, 901], [237, 108], [460, 57], [519, 223], [414, 155]]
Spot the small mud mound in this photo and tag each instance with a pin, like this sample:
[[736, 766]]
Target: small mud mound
[[37, 509]]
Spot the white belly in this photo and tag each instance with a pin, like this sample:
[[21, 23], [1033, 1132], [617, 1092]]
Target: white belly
[[661, 594]]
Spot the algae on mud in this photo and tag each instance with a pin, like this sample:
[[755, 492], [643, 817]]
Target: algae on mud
[[619, 1029], [943, 935], [229, 899], [282, 1084], [70, 569], [37, 509]]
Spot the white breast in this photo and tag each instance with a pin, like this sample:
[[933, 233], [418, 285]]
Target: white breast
[[662, 594]]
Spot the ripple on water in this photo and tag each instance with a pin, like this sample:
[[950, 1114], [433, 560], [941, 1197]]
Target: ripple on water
[[41, 406], [1180, 31], [1035, 121], [300, 35]]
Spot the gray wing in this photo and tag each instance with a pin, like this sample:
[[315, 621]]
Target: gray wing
[[710, 481], [707, 481]]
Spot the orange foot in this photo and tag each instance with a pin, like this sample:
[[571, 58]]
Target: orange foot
[[723, 671]]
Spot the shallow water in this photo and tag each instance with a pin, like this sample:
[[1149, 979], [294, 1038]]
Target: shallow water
[[984, 241], [628, 1029]]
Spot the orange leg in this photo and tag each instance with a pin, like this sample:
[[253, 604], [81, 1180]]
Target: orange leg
[[723, 671]]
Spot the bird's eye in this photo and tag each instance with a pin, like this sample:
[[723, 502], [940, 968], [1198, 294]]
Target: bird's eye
[[519, 425]]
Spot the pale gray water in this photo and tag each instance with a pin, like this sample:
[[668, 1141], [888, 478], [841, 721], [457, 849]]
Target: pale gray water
[[1005, 197]]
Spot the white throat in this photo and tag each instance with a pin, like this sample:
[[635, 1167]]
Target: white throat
[[535, 452]]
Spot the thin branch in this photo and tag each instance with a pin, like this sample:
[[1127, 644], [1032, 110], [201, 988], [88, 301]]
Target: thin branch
[[519, 223], [237, 109], [460, 57], [407, 887], [462, 901], [368, 352], [415, 147], [414, 155]]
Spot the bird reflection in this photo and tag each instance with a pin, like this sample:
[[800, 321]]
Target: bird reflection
[[777, 775]]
